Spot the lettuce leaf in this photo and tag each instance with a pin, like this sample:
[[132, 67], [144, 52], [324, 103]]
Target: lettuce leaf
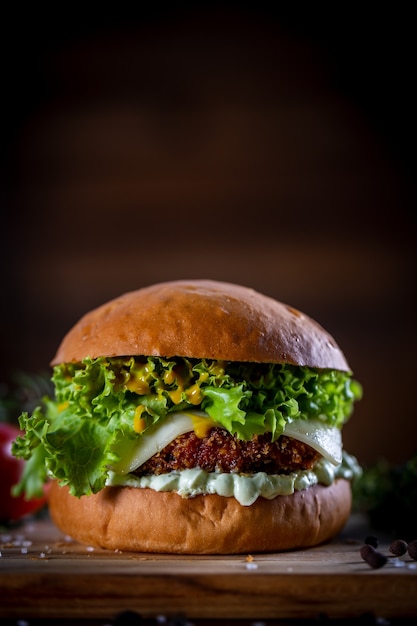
[[102, 402]]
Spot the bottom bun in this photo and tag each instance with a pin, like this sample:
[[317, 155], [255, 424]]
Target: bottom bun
[[143, 520]]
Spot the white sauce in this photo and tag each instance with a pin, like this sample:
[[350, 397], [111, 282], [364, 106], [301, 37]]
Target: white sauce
[[245, 488]]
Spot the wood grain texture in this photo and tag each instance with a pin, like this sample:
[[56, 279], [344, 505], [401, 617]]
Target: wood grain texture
[[46, 575]]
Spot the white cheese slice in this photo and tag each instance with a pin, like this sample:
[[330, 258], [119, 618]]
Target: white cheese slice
[[327, 440], [136, 452], [133, 453]]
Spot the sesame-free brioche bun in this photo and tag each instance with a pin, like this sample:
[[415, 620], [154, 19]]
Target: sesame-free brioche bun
[[143, 520], [213, 320], [201, 319]]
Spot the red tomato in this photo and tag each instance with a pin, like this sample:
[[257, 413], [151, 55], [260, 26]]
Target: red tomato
[[11, 508]]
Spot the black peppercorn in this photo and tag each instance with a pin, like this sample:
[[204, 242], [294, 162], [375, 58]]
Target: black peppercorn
[[412, 549], [398, 547]]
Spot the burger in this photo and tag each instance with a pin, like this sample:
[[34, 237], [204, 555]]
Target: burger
[[194, 417]]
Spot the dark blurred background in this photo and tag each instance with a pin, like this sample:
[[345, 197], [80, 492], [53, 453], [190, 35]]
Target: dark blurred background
[[269, 147]]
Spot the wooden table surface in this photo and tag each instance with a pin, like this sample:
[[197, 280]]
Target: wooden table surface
[[45, 575]]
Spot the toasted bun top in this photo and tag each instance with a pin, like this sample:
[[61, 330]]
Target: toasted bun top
[[201, 319]]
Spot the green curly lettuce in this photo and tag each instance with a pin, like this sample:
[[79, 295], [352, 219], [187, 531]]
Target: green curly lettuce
[[99, 403]]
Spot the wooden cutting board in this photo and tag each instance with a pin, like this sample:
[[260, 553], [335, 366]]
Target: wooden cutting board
[[44, 574]]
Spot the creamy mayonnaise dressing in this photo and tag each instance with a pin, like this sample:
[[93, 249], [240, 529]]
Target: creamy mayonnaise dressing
[[245, 488]]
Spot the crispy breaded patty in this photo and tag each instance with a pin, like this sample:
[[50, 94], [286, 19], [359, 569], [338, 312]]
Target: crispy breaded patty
[[220, 451]]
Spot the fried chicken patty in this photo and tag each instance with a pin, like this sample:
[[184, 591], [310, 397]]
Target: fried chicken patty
[[220, 451]]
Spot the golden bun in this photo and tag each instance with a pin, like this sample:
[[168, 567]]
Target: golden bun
[[212, 320], [201, 319], [143, 520]]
